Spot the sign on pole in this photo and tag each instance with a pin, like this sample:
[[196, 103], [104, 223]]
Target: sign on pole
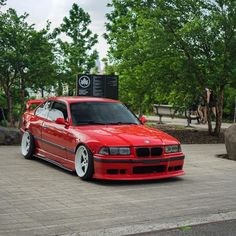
[[105, 86]]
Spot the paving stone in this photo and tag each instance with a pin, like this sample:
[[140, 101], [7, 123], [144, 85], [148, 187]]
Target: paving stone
[[40, 199]]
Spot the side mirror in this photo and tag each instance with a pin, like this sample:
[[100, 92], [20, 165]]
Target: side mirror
[[61, 121], [143, 119]]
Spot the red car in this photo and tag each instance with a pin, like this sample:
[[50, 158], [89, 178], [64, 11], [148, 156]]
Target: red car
[[98, 138]]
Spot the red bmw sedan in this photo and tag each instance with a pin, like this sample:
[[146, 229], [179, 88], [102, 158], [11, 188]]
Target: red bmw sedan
[[98, 138]]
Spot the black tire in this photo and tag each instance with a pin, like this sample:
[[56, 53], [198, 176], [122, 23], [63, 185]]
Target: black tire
[[83, 154], [27, 145]]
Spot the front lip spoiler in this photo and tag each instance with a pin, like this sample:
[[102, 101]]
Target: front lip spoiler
[[139, 161]]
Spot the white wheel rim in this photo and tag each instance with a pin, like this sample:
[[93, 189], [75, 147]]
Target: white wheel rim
[[81, 161], [25, 143]]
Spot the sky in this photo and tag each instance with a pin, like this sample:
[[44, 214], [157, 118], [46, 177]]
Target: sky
[[54, 10]]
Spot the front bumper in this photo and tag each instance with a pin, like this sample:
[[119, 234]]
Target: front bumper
[[138, 168]]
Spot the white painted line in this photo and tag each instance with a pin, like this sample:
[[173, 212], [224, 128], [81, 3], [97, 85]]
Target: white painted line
[[142, 228]]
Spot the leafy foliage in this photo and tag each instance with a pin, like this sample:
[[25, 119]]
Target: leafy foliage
[[26, 58], [2, 2], [171, 50], [230, 102], [39, 60], [76, 54]]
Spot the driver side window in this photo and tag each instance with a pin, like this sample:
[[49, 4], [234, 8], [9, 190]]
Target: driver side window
[[59, 110], [54, 114], [42, 110]]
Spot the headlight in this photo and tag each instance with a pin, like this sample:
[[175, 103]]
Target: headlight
[[115, 151], [172, 148]]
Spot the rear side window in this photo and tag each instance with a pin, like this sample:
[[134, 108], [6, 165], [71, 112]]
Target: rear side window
[[43, 109]]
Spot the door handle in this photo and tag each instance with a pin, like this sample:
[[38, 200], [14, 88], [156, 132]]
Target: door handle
[[44, 126]]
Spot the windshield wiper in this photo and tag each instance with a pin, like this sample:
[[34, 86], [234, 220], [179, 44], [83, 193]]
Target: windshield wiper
[[91, 122], [122, 123]]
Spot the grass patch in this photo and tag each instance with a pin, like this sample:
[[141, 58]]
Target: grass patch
[[185, 228]]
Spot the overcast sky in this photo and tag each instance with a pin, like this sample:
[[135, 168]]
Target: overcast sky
[[54, 10]]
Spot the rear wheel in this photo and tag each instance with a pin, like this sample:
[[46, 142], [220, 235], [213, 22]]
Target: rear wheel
[[84, 163], [27, 145]]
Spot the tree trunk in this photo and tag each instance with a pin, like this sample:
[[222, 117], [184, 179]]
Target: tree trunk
[[22, 97], [42, 92], [219, 111], [70, 90], [10, 107], [209, 120], [60, 88]]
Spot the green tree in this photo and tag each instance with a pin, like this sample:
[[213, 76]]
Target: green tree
[[129, 56], [108, 68], [2, 2], [176, 48], [40, 66], [230, 102], [26, 58], [76, 54]]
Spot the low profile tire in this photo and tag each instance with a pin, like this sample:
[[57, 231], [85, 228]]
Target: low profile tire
[[27, 145], [84, 163]]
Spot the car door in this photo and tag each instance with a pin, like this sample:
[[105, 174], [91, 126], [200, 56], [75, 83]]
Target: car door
[[55, 135], [36, 122]]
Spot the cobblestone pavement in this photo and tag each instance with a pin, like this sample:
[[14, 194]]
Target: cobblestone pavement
[[37, 198]]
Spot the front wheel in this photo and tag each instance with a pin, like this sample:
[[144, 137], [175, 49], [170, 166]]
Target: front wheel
[[27, 145], [84, 163]]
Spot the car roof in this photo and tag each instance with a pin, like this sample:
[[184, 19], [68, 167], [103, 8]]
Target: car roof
[[75, 99]]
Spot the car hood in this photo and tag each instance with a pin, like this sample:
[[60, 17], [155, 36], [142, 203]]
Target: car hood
[[126, 135]]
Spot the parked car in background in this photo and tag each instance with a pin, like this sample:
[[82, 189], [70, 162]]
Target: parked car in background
[[98, 138]]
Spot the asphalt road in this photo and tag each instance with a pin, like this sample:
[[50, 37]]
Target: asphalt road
[[37, 198]]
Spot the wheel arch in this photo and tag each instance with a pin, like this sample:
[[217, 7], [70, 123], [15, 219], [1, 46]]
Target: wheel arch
[[90, 172], [27, 145], [90, 145]]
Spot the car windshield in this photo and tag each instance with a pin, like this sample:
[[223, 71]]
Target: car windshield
[[101, 113]]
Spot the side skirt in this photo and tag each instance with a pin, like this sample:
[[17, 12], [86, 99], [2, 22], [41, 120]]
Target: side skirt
[[53, 162]]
